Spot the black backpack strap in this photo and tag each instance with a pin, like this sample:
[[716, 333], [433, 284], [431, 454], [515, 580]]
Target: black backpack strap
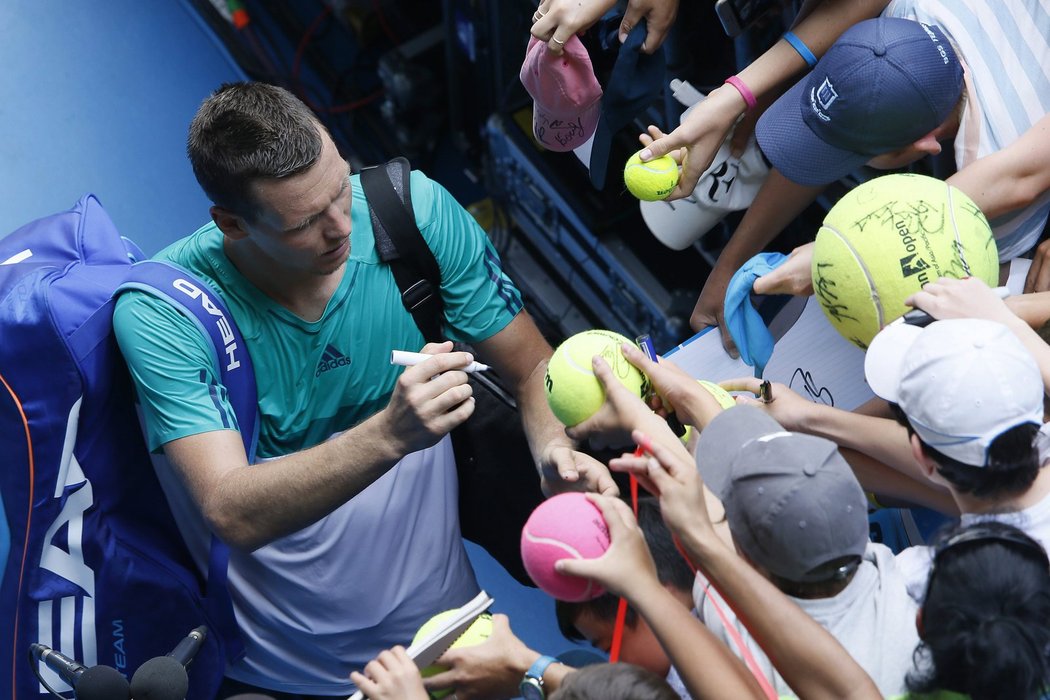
[[401, 245]]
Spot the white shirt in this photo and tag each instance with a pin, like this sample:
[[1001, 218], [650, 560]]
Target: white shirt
[[1005, 49], [915, 562], [308, 604], [873, 618]]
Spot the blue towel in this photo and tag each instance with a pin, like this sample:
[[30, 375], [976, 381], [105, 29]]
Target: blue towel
[[745, 325]]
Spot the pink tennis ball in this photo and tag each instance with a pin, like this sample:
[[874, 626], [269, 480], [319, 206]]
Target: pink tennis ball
[[566, 526]]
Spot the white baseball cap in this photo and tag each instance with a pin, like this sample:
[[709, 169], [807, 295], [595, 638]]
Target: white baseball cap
[[961, 382]]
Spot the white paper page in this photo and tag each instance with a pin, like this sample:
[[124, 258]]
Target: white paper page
[[1018, 273], [811, 358]]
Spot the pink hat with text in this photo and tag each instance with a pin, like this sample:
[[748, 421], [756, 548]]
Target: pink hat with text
[[567, 97]]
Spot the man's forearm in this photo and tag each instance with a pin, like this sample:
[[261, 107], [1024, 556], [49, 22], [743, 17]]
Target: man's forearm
[[706, 666], [819, 24], [812, 662], [883, 439], [248, 506], [1012, 177], [888, 483], [1036, 346], [777, 204], [541, 427]]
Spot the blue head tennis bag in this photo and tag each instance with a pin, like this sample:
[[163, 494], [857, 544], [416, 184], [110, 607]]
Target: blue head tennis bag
[[92, 561]]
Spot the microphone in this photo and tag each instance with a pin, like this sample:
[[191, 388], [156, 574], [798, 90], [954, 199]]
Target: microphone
[[189, 646], [95, 683], [165, 677]]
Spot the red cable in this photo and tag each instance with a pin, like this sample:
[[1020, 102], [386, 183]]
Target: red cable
[[351, 106], [305, 41], [621, 608], [16, 655], [383, 23], [297, 62]]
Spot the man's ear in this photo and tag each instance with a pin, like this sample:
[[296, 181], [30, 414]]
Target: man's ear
[[928, 144], [928, 466], [231, 225]]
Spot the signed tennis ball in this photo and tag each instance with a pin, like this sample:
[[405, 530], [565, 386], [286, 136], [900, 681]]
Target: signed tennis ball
[[573, 392], [888, 237], [652, 180], [478, 632]]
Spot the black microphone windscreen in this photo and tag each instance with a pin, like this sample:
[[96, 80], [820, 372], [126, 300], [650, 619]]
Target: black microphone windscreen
[[102, 683], [160, 678]]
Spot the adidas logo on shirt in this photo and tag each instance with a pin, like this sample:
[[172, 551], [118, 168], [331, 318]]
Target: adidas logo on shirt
[[331, 359]]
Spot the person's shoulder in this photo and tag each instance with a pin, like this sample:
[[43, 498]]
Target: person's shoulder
[[137, 311], [914, 565], [880, 555], [196, 254], [426, 193], [899, 8], [195, 251]]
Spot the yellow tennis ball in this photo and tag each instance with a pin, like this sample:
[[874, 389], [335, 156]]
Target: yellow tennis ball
[[478, 632], [573, 392], [888, 237], [652, 180], [724, 398]]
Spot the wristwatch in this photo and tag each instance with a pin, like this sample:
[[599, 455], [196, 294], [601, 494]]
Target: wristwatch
[[531, 687]]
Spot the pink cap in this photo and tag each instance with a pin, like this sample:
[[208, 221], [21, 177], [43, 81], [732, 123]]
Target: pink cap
[[567, 97]]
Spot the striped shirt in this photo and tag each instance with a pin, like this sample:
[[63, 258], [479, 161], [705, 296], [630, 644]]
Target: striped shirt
[[1005, 49]]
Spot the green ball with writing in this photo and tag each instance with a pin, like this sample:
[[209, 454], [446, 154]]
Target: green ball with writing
[[478, 632], [573, 392], [888, 237]]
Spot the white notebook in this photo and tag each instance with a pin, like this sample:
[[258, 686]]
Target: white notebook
[[427, 650]]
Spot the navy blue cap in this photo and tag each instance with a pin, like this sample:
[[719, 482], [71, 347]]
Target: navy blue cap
[[884, 84], [636, 81]]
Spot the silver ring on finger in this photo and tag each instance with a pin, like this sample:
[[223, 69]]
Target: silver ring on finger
[[557, 41]]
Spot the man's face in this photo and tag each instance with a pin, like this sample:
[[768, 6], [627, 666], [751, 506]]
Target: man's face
[[302, 222], [639, 645]]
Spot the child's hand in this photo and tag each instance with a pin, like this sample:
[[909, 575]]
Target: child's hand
[[965, 298], [391, 676], [621, 412], [676, 391], [793, 277], [627, 567], [673, 479], [788, 407]]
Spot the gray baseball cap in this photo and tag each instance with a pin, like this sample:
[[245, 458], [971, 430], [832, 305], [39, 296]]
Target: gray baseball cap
[[793, 504]]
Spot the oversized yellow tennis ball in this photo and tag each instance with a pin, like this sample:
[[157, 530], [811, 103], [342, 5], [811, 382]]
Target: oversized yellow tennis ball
[[888, 237], [477, 633], [573, 392], [652, 180], [724, 398]]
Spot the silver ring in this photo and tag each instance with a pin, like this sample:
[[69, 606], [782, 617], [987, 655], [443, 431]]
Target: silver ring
[[538, 15], [557, 41]]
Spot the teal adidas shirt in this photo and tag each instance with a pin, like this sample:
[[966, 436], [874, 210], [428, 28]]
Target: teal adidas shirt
[[315, 378]]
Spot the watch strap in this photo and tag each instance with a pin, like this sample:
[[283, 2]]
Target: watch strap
[[539, 666]]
